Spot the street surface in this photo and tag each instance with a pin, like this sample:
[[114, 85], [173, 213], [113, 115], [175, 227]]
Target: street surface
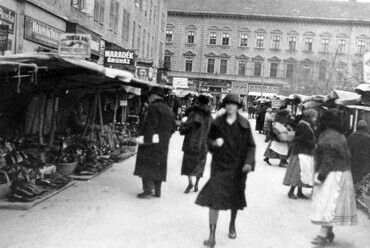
[[105, 213]]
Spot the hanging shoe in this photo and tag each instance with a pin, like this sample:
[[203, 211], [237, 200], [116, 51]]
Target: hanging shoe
[[187, 190], [292, 196], [319, 241], [232, 231], [267, 161]]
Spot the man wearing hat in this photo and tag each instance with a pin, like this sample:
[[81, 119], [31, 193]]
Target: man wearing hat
[[359, 145], [232, 144], [157, 129]]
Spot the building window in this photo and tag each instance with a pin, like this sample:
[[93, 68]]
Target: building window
[[115, 25], [191, 35], [168, 35], [273, 70], [289, 70], [322, 72], [260, 41], [99, 7], [113, 16], [139, 38], [163, 22], [78, 4], [167, 62], [189, 64], [125, 24], [325, 45], [212, 38], [225, 39], [223, 66], [342, 46], [276, 42], [360, 46], [241, 68], [211, 66], [306, 70], [308, 44], [148, 46], [292, 43], [257, 69], [151, 11], [244, 40]]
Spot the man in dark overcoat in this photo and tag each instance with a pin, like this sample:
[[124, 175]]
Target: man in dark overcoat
[[359, 145], [157, 129], [232, 145]]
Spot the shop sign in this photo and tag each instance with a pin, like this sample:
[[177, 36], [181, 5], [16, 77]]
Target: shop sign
[[366, 64], [4, 29], [239, 88], [264, 88], [275, 104], [119, 57], [216, 83], [143, 72], [75, 45], [101, 52], [123, 103], [42, 33], [7, 17], [180, 82], [95, 38]]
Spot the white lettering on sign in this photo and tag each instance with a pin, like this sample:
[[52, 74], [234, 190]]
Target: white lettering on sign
[[120, 54], [45, 31], [94, 45]]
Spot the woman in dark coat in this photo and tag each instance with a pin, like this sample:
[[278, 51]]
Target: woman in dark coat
[[333, 195], [260, 119], [300, 169], [151, 161], [232, 144], [195, 148], [359, 145]]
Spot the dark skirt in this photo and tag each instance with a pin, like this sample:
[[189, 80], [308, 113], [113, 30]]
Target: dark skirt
[[223, 193], [272, 154], [193, 164], [293, 173]]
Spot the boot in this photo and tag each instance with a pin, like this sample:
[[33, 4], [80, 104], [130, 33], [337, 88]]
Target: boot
[[211, 242], [157, 188], [187, 190], [232, 231]]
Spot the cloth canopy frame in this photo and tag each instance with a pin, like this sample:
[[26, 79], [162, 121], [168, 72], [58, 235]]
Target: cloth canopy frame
[[69, 72]]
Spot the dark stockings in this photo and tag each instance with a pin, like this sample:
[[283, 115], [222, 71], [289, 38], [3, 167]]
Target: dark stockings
[[232, 230]]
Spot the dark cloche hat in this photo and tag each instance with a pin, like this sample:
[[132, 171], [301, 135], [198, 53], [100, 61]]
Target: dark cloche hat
[[231, 98]]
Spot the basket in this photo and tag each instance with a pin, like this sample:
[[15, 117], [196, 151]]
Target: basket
[[4, 188], [66, 168]]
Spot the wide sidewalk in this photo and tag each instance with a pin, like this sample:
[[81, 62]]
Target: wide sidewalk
[[105, 212]]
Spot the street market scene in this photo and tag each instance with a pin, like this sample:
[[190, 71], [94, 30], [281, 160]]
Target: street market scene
[[172, 123]]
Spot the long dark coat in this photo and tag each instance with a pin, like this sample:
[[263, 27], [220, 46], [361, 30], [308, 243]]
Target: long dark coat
[[260, 119], [151, 162], [225, 189], [359, 145], [195, 147]]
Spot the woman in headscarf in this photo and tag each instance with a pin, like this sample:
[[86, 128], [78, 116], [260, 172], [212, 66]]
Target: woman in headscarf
[[195, 148], [333, 195], [300, 169], [280, 136], [269, 118]]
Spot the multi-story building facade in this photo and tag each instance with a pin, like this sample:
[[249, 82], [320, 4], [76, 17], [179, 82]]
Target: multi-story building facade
[[136, 25], [267, 47]]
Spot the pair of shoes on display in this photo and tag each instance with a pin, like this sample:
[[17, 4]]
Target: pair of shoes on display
[[187, 190], [322, 240], [267, 161]]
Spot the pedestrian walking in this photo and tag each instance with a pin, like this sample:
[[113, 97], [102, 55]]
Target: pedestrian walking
[[359, 145], [300, 170], [333, 195], [267, 126], [280, 136], [232, 144], [250, 111], [260, 119], [157, 129], [195, 147]]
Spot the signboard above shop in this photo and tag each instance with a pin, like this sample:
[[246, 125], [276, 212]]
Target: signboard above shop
[[41, 33], [95, 38], [118, 57], [75, 45], [264, 88], [240, 88], [4, 29], [7, 17], [180, 83]]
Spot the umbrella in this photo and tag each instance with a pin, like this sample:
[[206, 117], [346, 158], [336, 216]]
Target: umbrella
[[343, 97]]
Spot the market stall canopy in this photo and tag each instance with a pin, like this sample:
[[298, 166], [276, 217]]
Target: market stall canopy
[[343, 97], [264, 94], [183, 92], [207, 94], [363, 88], [44, 68]]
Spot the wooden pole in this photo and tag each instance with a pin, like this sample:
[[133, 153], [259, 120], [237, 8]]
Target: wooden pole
[[100, 113], [115, 111], [94, 117], [52, 130]]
